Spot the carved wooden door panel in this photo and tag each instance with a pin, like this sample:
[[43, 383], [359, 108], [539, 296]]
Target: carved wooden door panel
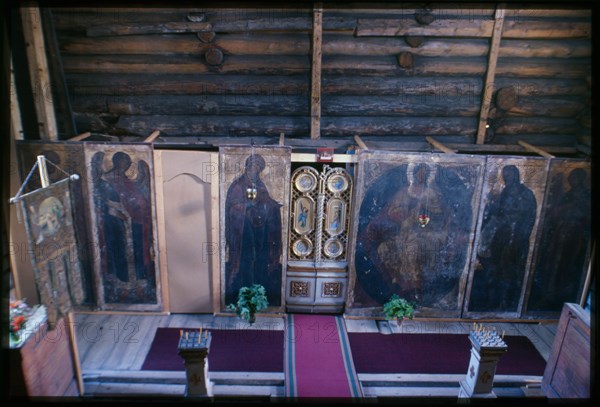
[[319, 222]]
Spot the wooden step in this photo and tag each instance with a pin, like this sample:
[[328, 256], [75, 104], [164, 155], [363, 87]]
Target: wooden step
[[133, 376], [436, 392], [110, 389], [130, 383], [154, 390], [247, 378], [439, 380]]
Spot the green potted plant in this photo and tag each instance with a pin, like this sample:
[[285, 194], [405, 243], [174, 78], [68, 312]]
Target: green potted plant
[[399, 309], [250, 300]]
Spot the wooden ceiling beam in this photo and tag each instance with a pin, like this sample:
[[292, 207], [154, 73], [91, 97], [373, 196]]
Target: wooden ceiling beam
[[315, 92], [534, 149], [488, 89], [436, 144], [38, 71]]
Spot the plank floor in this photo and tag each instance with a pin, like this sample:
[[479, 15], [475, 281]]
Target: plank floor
[[113, 347], [121, 342]]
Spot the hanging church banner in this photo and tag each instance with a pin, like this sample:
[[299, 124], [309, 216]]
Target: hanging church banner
[[67, 157], [53, 245], [414, 219], [511, 204], [123, 224], [564, 242], [254, 210]]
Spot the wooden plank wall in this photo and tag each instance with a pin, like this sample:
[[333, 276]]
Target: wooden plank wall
[[389, 71]]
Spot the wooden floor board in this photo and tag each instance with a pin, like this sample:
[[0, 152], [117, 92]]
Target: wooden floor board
[[361, 325], [91, 338], [530, 330], [113, 347]]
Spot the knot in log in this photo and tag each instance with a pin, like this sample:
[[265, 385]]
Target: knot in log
[[206, 36], [213, 56], [196, 17], [406, 60], [414, 41], [506, 98], [424, 16]]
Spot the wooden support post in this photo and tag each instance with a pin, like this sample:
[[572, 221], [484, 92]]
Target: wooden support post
[[534, 149], [315, 93], [439, 146], [152, 136], [491, 73], [588, 278], [20, 264], [15, 111], [81, 136], [360, 143], [282, 139], [64, 112], [70, 320], [38, 71]]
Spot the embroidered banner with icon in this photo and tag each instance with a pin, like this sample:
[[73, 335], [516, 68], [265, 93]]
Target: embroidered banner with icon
[[63, 158], [53, 245]]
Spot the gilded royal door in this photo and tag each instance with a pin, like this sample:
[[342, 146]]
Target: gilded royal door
[[317, 271]]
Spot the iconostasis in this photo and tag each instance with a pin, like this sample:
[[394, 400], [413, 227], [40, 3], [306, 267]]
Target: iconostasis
[[181, 231]]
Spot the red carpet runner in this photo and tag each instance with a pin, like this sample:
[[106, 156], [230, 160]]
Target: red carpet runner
[[318, 361]]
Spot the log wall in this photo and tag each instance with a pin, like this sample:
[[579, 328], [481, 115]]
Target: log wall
[[390, 71]]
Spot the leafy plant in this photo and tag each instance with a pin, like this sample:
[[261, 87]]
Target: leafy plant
[[398, 308], [250, 300]]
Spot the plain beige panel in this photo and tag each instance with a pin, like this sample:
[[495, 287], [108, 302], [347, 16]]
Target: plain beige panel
[[187, 218]]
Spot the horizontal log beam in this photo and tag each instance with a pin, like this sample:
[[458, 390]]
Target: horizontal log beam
[[97, 25], [402, 86], [461, 10], [214, 125], [292, 126], [291, 65], [333, 44], [134, 84], [385, 126], [77, 20], [448, 86], [138, 29], [472, 28], [186, 65], [543, 86], [557, 140], [559, 48], [466, 148], [434, 105], [405, 106], [438, 10], [243, 105], [528, 106], [537, 125]]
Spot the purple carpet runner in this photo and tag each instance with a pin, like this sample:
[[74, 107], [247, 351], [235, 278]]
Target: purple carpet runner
[[437, 354], [238, 350], [318, 358]]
